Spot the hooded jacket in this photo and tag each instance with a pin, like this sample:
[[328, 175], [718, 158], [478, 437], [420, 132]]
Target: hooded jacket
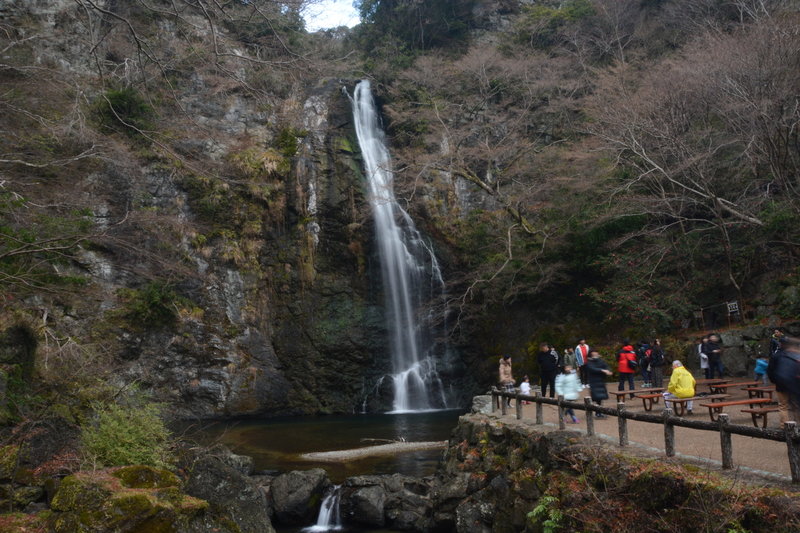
[[626, 354], [505, 371], [681, 384], [568, 386]]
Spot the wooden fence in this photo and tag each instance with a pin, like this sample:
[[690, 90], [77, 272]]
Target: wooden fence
[[790, 434]]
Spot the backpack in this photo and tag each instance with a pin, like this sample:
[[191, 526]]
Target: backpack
[[785, 371], [633, 364]]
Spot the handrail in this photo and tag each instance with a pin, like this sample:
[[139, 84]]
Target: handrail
[[790, 434]]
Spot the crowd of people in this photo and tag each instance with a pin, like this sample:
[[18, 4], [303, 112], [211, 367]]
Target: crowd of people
[[569, 372]]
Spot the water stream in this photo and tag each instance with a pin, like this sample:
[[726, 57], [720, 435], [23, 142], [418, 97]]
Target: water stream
[[329, 518], [410, 272]]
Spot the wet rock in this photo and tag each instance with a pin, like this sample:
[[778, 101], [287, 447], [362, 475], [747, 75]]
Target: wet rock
[[367, 506], [296, 496]]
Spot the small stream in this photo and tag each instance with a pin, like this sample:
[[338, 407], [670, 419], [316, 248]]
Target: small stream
[[276, 444]]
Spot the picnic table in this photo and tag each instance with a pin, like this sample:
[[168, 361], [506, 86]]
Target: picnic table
[[679, 404], [721, 388], [715, 408], [620, 394], [711, 380], [759, 392]]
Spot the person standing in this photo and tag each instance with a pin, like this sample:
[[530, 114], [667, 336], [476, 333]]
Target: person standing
[[569, 359], [775, 341], [506, 378], [643, 354], [657, 364], [626, 365], [568, 386], [581, 356], [548, 368], [596, 372], [713, 350], [701, 353], [784, 371], [681, 385]]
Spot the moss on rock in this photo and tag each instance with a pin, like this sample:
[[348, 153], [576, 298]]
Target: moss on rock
[[139, 498], [145, 477], [9, 458]]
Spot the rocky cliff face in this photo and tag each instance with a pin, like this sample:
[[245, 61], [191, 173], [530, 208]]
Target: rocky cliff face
[[227, 265]]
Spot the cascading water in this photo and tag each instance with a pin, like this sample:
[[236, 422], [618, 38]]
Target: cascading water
[[409, 271], [329, 518]]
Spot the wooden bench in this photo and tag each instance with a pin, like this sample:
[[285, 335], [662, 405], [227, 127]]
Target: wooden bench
[[649, 399], [620, 394], [716, 408], [759, 392], [680, 403], [760, 412], [721, 388], [712, 380]]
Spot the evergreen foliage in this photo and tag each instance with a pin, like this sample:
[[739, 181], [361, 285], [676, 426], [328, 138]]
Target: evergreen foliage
[[127, 435], [397, 30]]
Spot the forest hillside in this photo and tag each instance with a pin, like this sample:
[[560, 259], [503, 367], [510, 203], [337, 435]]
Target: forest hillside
[[183, 207]]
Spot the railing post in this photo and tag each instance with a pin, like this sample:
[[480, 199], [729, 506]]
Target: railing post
[[539, 409], [518, 407], [503, 401], [495, 404], [589, 417], [623, 424], [725, 442], [669, 433], [794, 450], [561, 424]]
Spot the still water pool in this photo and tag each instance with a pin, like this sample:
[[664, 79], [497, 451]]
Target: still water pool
[[276, 444]]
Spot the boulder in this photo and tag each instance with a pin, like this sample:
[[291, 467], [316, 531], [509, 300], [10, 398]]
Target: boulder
[[367, 506], [395, 501], [230, 493], [296, 496], [482, 404], [131, 499], [474, 516]]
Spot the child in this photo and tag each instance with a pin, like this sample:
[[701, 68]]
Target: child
[[525, 388], [569, 386], [761, 369]]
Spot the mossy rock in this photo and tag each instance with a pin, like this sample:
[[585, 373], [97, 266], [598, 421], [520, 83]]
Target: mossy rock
[[79, 492], [104, 501], [145, 477], [9, 458]]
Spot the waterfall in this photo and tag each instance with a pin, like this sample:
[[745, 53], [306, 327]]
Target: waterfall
[[329, 518], [409, 269]]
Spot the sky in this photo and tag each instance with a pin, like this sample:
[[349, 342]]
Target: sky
[[330, 14]]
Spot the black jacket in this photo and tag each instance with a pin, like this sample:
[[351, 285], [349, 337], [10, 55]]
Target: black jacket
[[597, 378], [548, 364]]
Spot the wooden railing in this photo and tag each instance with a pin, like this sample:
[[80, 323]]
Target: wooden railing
[[790, 434]]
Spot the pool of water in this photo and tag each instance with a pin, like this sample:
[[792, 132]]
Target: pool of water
[[276, 444]]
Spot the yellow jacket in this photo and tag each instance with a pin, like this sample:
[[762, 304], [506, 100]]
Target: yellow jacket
[[681, 384]]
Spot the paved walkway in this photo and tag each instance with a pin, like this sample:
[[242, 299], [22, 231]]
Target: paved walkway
[[751, 456]]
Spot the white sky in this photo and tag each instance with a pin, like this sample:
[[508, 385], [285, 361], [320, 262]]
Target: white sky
[[324, 14]]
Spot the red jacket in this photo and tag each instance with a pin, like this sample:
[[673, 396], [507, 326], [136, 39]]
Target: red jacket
[[625, 355]]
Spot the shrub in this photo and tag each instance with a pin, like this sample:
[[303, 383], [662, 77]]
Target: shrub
[[122, 108], [127, 435], [151, 306]]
